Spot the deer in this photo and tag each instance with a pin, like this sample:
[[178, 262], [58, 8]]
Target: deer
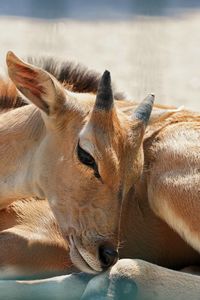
[[120, 182]]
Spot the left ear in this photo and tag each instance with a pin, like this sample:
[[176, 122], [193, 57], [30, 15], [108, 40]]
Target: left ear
[[41, 88]]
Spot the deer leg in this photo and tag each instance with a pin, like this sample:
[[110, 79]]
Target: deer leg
[[139, 280], [22, 256], [31, 243]]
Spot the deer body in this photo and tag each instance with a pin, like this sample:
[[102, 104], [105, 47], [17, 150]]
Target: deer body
[[144, 190]]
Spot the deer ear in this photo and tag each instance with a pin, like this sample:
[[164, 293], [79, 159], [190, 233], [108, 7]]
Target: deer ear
[[41, 88]]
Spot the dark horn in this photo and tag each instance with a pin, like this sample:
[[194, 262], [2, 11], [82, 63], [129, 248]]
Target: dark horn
[[143, 111], [104, 99]]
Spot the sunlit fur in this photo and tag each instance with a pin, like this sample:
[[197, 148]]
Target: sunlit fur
[[30, 241], [149, 177]]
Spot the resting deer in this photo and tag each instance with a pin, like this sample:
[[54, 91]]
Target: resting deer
[[111, 173]]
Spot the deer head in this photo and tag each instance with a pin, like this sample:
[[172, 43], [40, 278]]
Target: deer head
[[89, 157]]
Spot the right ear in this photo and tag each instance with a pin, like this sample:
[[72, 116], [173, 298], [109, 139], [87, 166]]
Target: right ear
[[41, 88]]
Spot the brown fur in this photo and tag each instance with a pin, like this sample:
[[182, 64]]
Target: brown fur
[[28, 227], [9, 96], [73, 76]]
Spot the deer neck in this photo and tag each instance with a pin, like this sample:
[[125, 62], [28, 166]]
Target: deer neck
[[21, 131]]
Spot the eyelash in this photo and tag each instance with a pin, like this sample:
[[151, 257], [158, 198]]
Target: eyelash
[[86, 159]]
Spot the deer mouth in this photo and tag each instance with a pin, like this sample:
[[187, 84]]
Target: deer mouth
[[82, 259]]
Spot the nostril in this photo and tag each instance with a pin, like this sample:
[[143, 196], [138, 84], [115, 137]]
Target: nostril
[[107, 256]]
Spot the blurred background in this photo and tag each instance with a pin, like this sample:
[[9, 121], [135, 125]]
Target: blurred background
[[148, 45]]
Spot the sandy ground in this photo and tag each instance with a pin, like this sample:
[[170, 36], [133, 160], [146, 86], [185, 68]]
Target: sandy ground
[[153, 54]]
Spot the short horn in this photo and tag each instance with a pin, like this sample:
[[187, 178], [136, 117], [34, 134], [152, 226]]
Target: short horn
[[143, 111], [104, 99]]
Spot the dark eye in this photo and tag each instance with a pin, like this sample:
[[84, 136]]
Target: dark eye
[[86, 159]]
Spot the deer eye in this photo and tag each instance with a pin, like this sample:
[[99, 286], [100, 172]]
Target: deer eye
[[87, 159]]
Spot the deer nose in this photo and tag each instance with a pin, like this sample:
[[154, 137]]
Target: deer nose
[[108, 256]]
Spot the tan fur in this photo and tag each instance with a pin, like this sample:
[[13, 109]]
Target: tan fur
[[29, 229], [147, 196]]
